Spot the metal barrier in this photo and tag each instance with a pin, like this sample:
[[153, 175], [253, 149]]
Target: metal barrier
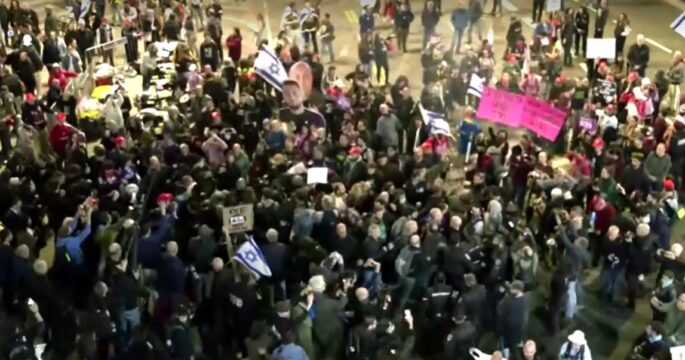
[[113, 52]]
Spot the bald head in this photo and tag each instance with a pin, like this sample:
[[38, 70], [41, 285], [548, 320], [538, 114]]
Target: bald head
[[172, 248]]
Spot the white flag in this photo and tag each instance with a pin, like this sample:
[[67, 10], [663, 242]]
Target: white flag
[[435, 121], [475, 86], [678, 25], [269, 67], [250, 255]]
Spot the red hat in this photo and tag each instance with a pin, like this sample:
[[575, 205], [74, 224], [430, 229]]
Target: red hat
[[598, 143], [355, 151], [164, 197], [216, 115], [30, 97], [669, 185], [119, 140], [61, 117], [427, 146]]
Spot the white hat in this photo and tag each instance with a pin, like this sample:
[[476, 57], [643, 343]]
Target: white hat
[[192, 67], [26, 40], [577, 337]]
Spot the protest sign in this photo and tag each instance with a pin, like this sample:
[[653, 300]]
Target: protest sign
[[500, 106], [601, 48], [369, 3], [553, 5], [587, 123], [238, 219], [317, 175], [542, 118], [607, 89]]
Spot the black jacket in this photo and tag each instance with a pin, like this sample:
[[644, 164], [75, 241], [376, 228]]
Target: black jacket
[[403, 19], [638, 55]]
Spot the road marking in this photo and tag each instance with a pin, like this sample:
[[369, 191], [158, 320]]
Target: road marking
[[506, 4], [654, 43], [267, 22], [242, 22], [352, 17], [583, 66], [528, 21]]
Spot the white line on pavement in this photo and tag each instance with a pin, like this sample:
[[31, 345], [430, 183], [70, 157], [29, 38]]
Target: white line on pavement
[[242, 22], [267, 22], [528, 21], [654, 43], [506, 4]]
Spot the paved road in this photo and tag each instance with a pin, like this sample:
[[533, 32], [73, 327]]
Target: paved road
[[611, 331], [649, 17]]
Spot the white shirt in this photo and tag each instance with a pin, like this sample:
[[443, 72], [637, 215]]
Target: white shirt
[[609, 121]]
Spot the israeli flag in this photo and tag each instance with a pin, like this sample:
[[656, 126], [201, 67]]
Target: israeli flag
[[250, 255], [306, 13], [437, 125], [679, 25], [475, 86], [269, 67]]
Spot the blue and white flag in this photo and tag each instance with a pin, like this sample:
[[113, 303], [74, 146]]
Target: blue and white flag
[[305, 13], [475, 86], [269, 67], [678, 25], [250, 255], [435, 122]]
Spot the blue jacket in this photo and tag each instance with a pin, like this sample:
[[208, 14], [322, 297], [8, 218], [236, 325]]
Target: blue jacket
[[172, 276], [467, 130], [72, 243], [366, 23], [460, 19], [150, 247]]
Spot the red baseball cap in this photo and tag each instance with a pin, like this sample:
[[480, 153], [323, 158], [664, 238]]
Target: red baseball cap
[[119, 140], [598, 143], [355, 151], [30, 97], [61, 117], [165, 197], [669, 185]]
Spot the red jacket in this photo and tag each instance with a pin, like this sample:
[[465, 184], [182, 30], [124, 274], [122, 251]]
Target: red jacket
[[62, 76], [60, 135]]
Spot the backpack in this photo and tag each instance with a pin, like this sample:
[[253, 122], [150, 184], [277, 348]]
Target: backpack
[[403, 261]]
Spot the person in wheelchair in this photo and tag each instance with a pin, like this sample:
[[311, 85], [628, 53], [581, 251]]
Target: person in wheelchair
[[652, 342]]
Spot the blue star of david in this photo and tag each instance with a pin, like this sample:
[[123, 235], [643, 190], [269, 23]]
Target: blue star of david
[[251, 256], [273, 69]]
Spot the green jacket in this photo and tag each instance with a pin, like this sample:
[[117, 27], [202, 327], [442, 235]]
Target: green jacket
[[304, 329], [675, 326], [657, 166]]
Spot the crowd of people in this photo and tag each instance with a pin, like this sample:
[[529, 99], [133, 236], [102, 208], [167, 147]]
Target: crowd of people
[[419, 244]]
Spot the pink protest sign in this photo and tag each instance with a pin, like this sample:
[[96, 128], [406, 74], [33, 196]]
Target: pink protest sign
[[501, 107], [542, 118]]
